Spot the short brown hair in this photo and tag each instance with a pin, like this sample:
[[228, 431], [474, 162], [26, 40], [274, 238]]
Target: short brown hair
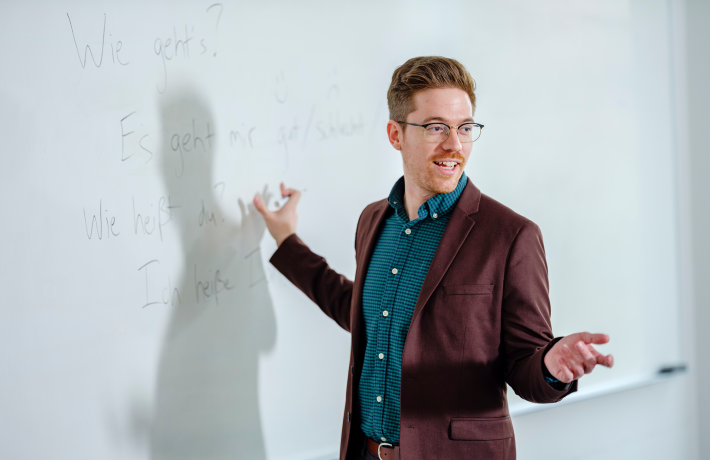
[[422, 73]]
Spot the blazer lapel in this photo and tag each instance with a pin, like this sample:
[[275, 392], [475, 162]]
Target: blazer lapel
[[457, 230]]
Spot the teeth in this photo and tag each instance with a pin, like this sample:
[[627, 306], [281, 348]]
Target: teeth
[[449, 164]]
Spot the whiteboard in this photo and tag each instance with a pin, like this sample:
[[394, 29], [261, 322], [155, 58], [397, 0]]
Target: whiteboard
[[141, 316]]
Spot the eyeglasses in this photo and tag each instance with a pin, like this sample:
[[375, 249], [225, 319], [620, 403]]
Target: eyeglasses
[[439, 132]]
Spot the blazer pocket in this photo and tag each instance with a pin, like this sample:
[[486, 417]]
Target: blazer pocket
[[481, 429], [468, 289]]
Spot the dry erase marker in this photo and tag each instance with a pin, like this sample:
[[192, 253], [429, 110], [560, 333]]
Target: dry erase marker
[[282, 201]]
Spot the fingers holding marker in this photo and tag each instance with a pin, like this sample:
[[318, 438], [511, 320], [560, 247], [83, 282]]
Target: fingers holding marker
[[289, 195], [261, 202]]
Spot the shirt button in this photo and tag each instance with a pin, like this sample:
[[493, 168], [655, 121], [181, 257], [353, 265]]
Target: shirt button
[[435, 215], [394, 271], [379, 399], [408, 231], [385, 313], [383, 438], [381, 355]]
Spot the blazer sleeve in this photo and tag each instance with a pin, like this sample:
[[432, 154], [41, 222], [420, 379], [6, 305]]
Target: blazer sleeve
[[310, 273], [526, 327]]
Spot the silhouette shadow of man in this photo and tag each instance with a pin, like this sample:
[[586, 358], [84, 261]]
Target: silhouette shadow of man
[[206, 403]]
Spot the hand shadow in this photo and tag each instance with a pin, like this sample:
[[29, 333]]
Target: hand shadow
[[206, 402]]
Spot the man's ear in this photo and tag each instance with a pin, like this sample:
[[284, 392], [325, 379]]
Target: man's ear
[[395, 134]]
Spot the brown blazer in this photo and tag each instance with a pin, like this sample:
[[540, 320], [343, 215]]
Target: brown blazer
[[482, 319]]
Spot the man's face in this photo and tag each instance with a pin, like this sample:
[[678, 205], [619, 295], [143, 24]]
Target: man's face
[[422, 159]]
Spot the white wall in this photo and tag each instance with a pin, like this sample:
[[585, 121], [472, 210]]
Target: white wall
[[649, 423], [671, 419], [698, 101]]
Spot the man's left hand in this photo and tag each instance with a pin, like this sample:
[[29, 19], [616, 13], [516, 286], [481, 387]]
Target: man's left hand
[[573, 356]]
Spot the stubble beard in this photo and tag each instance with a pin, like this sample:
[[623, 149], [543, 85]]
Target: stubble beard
[[428, 180]]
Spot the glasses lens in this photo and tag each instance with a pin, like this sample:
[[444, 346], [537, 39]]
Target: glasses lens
[[469, 132], [436, 132]]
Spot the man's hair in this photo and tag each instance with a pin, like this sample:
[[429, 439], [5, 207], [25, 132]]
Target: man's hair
[[422, 73]]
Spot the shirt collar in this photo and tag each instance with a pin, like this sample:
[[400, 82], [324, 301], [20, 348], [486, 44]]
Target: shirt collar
[[440, 204]]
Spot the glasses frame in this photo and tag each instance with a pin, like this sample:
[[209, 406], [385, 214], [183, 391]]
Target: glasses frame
[[450, 128]]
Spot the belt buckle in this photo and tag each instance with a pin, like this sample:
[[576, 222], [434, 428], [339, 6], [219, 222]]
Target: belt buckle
[[380, 446]]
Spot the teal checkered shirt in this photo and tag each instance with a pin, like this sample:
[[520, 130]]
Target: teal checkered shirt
[[394, 278]]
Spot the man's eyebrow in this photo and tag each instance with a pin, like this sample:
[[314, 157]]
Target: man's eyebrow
[[430, 119]]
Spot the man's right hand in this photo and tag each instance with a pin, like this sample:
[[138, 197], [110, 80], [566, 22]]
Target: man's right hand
[[281, 223]]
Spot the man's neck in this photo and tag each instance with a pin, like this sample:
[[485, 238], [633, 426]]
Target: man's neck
[[414, 197]]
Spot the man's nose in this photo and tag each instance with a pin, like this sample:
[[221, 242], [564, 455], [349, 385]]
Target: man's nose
[[452, 143]]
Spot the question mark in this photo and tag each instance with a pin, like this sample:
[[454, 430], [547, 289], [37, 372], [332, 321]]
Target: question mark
[[219, 15]]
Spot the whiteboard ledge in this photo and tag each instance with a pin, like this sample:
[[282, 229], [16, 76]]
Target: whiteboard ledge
[[602, 389]]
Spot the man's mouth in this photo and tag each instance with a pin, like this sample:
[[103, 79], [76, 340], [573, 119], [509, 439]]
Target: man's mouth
[[446, 164], [447, 167]]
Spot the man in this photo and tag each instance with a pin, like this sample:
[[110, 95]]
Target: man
[[450, 298]]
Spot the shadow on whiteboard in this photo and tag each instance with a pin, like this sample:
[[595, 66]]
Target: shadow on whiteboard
[[206, 402]]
